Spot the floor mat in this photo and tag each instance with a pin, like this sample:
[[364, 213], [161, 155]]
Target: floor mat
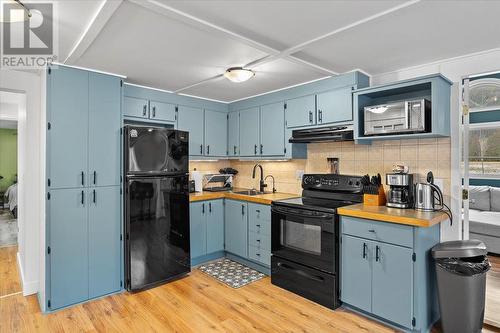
[[231, 273], [8, 229]]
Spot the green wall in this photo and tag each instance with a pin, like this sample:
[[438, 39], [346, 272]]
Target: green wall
[[8, 157]]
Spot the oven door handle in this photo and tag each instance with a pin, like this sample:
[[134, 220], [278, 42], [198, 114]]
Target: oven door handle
[[301, 272], [295, 213]]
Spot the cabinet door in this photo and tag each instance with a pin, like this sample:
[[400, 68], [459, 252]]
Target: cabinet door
[[301, 111], [236, 228], [68, 240], [356, 271], [215, 226], [233, 134], [191, 120], [135, 107], [215, 133], [335, 106], [272, 129], [198, 229], [393, 283], [104, 130], [104, 240], [67, 139], [249, 132], [162, 111]]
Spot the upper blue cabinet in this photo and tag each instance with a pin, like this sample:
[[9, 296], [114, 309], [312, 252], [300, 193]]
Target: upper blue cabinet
[[191, 120], [301, 111], [215, 133], [162, 111], [416, 108]]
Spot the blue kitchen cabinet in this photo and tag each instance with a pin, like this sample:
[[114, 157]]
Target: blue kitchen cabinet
[[386, 271], [249, 132], [233, 140], [104, 130], [334, 106], [356, 268], [162, 111], [67, 247], [198, 229], [67, 128], [135, 107], [104, 221], [392, 293], [259, 233], [236, 227], [191, 119], [215, 226], [301, 111], [215, 133], [272, 129]]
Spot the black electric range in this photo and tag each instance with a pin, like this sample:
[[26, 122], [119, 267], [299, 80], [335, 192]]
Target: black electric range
[[305, 237]]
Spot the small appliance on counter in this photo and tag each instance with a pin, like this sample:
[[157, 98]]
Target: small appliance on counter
[[428, 196], [400, 193], [412, 116], [217, 182]]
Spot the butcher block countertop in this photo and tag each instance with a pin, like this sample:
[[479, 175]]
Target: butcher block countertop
[[265, 199], [394, 215]]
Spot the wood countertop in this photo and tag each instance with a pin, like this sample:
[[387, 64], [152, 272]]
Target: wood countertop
[[411, 217], [265, 199]]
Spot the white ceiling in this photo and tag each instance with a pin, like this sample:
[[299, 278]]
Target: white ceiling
[[179, 45]]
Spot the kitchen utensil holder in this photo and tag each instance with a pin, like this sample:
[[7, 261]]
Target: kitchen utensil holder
[[375, 199]]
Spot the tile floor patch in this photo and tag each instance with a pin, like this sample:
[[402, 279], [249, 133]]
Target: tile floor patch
[[231, 273]]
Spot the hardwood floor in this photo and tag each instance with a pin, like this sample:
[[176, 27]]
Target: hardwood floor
[[196, 303], [9, 275]]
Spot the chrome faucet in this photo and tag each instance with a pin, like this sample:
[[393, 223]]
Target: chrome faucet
[[262, 185]]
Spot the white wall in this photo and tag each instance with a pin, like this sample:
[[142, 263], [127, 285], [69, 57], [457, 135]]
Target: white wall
[[29, 173], [454, 69]]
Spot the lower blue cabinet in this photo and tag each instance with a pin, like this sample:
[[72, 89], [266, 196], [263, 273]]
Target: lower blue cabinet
[[236, 228], [83, 244], [206, 228], [386, 271]]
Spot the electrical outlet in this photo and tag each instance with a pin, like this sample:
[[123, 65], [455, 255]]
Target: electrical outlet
[[299, 174]]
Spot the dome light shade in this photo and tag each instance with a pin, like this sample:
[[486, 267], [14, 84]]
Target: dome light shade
[[238, 74]]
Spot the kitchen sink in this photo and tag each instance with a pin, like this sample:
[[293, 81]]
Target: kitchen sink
[[248, 192]]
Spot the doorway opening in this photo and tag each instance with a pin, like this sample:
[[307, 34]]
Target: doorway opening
[[481, 177], [11, 106]]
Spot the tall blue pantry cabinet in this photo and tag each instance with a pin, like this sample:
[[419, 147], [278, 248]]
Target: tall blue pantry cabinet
[[83, 223]]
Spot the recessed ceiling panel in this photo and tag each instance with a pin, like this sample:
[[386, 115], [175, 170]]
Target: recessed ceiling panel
[[155, 50], [269, 76], [72, 19], [282, 24], [424, 32]]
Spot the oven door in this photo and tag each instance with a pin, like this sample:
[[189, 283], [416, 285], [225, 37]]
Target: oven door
[[306, 237]]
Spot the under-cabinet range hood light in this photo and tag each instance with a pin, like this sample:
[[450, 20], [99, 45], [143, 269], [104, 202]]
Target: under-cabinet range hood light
[[238, 74]]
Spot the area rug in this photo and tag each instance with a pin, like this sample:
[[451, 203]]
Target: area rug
[[231, 273], [8, 229]]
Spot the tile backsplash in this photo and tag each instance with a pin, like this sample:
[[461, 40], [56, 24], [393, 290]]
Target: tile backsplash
[[420, 156]]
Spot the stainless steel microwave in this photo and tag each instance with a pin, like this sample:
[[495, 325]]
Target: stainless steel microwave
[[413, 116]]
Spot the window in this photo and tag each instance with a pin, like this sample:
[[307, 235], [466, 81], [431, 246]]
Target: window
[[484, 150], [484, 94]]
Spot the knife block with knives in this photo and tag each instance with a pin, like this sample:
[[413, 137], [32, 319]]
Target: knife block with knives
[[373, 191]]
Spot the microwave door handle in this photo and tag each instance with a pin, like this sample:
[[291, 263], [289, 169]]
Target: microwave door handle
[[407, 115]]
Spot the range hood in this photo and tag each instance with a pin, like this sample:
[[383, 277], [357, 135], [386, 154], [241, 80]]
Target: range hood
[[322, 134]]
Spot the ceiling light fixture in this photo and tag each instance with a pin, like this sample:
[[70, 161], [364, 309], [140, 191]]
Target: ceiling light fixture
[[15, 15], [238, 74]]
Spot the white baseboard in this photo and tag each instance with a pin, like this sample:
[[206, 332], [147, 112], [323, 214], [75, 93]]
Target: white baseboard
[[29, 287]]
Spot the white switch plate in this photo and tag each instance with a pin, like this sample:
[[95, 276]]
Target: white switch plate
[[299, 174]]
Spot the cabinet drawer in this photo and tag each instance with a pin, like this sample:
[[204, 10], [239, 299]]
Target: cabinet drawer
[[376, 230], [261, 227], [261, 241], [259, 212], [259, 255]]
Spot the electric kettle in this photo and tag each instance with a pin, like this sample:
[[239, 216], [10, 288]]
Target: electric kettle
[[428, 196]]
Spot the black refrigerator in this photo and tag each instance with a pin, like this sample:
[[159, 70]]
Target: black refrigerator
[[156, 206]]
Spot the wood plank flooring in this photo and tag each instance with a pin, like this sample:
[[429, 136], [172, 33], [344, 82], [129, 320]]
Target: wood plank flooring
[[9, 275], [492, 312], [197, 303]]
